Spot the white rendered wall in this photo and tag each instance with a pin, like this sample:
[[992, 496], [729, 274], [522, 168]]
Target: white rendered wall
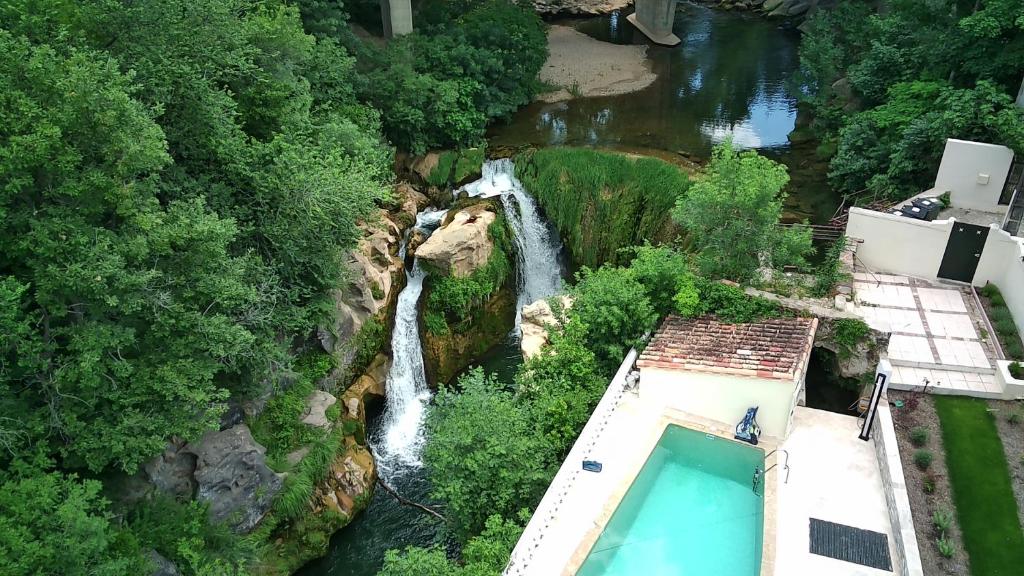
[[1002, 263], [897, 244], [722, 398], [974, 173]]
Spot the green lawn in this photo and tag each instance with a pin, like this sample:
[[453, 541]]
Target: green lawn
[[985, 505]]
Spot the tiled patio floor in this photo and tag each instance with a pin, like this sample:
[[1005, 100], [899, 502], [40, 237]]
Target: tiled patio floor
[[939, 337]]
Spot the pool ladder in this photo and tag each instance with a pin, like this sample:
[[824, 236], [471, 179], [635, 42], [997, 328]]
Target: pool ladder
[[759, 474]]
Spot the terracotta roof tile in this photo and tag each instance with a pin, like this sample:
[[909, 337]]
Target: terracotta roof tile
[[776, 348]]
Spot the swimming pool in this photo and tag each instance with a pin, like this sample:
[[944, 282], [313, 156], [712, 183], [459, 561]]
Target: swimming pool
[[690, 511]]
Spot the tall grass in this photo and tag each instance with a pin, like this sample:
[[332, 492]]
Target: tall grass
[[602, 201], [293, 501]]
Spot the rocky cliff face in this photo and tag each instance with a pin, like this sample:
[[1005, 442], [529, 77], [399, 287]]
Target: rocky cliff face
[[775, 8], [375, 277]]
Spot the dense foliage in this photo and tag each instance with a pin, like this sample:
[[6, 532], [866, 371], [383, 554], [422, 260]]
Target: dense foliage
[[602, 201], [180, 181], [465, 64], [732, 214], [891, 86]]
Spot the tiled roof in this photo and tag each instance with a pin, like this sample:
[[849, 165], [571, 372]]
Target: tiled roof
[[777, 348]]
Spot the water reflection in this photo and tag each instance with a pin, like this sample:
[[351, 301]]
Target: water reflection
[[728, 76]]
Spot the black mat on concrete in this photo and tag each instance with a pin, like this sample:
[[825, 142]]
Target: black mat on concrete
[[850, 544]]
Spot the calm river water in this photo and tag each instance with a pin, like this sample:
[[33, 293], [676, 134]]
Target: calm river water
[[732, 75]]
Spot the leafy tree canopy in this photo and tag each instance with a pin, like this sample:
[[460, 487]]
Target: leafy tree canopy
[[732, 214]]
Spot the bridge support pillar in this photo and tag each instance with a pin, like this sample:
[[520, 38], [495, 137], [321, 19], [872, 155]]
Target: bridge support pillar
[[654, 18], [397, 16]]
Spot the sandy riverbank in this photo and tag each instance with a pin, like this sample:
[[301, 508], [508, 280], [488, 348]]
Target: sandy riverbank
[[587, 67]]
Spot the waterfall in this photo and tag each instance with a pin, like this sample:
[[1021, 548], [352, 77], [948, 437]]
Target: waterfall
[[400, 439], [540, 272]]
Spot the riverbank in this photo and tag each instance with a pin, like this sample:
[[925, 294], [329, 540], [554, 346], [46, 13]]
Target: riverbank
[[585, 67]]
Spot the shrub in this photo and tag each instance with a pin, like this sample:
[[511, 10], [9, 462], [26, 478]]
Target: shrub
[[923, 459], [942, 520], [946, 547], [849, 332], [666, 277], [829, 273], [1016, 370], [1014, 417], [614, 308], [919, 436], [929, 484], [732, 304]]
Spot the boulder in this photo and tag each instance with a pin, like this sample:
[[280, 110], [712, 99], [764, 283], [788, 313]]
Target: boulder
[[233, 477], [463, 245], [536, 318], [171, 472], [161, 566], [317, 404]]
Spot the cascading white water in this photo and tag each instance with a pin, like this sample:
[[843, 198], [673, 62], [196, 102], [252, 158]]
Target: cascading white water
[[400, 438], [540, 272]]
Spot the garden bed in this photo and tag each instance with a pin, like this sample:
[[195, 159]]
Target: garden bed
[[1011, 431], [1002, 321], [918, 412]]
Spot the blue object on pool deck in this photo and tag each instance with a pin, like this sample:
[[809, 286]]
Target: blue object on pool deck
[[748, 430], [592, 466]]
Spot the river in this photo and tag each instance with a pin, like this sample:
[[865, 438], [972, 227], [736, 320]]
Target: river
[[732, 75]]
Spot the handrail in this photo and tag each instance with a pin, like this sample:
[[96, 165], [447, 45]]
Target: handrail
[[785, 464]]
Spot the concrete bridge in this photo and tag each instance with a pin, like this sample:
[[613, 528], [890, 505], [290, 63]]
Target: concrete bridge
[[397, 16], [654, 18]]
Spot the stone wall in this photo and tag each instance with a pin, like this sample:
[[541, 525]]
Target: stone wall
[[908, 558]]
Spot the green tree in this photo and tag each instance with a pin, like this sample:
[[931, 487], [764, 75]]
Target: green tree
[[664, 273], [52, 523], [615, 311], [485, 455], [733, 213], [136, 307]]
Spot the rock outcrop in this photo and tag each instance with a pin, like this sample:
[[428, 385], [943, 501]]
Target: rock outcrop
[[317, 405], [172, 471], [536, 318], [375, 277], [463, 244], [232, 476], [369, 386], [578, 7], [775, 8], [861, 359], [349, 483], [161, 566], [446, 355]]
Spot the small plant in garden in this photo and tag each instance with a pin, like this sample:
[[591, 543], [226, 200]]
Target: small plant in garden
[[919, 436], [942, 520], [1014, 417], [929, 484], [946, 547], [923, 459]]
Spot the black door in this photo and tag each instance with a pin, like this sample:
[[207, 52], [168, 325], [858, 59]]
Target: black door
[[963, 251]]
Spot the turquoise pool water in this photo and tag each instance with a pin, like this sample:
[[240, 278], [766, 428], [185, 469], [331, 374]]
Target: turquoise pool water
[[690, 512]]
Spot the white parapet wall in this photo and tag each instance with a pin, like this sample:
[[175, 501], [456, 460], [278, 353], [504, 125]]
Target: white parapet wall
[[1002, 264], [908, 556], [897, 244], [974, 173]]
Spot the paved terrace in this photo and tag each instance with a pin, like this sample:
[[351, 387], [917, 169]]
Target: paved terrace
[[940, 335]]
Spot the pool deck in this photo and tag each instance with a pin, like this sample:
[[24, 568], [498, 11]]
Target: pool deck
[[834, 476]]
